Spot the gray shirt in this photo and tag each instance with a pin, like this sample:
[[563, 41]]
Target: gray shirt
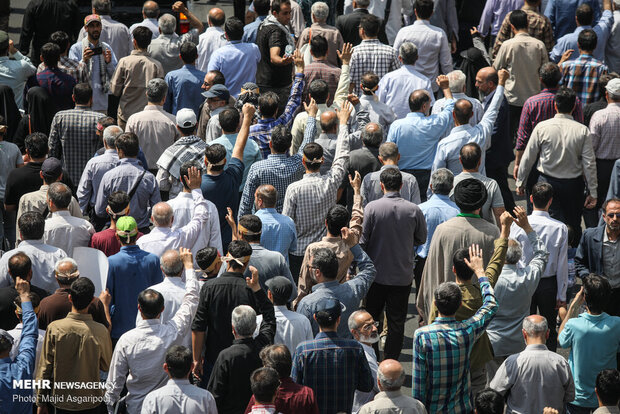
[[371, 187], [328, 143], [534, 379], [494, 198], [165, 49], [611, 260]]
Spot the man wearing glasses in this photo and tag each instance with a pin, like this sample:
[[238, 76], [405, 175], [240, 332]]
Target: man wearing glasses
[[366, 331]]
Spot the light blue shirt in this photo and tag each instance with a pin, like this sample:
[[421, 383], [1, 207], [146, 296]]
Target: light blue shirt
[[251, 30], [594, 341], [238, 62], [417, 135], [95, 168], [251, 153], [561, 13], [184, 89], [437, 209], [279, 233], [569, 41], [100, 98], [396, 86], [14, 73]]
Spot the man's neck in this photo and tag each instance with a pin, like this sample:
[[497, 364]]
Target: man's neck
[[369, 38], [37, 159], [334, 329], [612, 235], [524, 31], [546, 210], [81, 311], [536, 341], [211, 172], [470, 171], [390, 162], [93, 41]]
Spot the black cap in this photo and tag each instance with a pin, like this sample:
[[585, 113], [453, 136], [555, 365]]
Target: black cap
[[327, 310], [51, 169], [281, 288], [470, 194]]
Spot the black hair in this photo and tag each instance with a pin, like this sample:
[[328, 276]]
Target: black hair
[[143, 36], [179, 360], [276, 4], [392, 179], [326, 261], [151, 303], [417, 100], [128, 143], [337, 217], [184, 170], [106, 121], [268, 104], [584, 15], [219, 78], [234, 28], [31, 225], [424, 8], [51, 54], [489, 401], [587, 40], [214, 154], [188, 52], [82, 292], [448, 298], [34, 299], [205, 257], [470, 155], [261, 7], [229, 120], [369, 81], [370, 23], [463, 271], [597, 292], [608, 386], [82, 93], [253, 224], [518, 18], [238, 249], [463, 110], [279, 358], [319, 91], [550, 74], [313, 151], [61, 39], [19, 265], [36, 144], [565, 99], [118, 202], [318, 46], [264, 383], [541, 194], [281, 139]]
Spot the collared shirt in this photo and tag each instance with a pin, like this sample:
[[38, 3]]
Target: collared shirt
[[441, 353], [238, 62], [393, 402], [251, 153], [554, 234], [76, 348], [513, 291], [263, 409], [114, 33], [534, 379], [10, 158], [292, 398], [269, 265], [57, 306], [582, 75], [70, 67], [538, 26], [16, 333], [494, 13], [59, 85], [362, 397], [149, 23], [494, 195], [140, 353], [93, 71], [73, 139], [330, 33], [107, 242], [292, 328], [179, 396], [324, 70], [612, 51], [433, 49], [561, 13], [251, 30], [349, 293], [603, 127], [14, 71], [437, 209], [93, 172], [538, 108], [371, 186], [589, 335], [130, 271], [67, 232], [569, 157], [158, 125], [278, 232], [122, 178], [393, 227], [261, 131], [212, 39], [372, 56], [378, 112], [184, 89], [395, 88], [478, 110], [166, 47], [308, 200], [569, 41], [334, 367], [183, 208], [520, 55], [328, 142], [417, 136], [611, 260]]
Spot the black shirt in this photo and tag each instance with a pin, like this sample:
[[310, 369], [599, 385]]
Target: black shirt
[[8, 319], [268, 74], [26, 180], [590, 109], [365, 160], [348, 25]]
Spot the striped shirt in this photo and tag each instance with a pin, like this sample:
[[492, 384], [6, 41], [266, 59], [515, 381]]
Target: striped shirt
[[372, 56], [582, 75]]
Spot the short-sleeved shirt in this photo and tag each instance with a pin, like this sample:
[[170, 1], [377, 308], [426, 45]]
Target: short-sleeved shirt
[[10, 157], [268, 74], [494, 198]]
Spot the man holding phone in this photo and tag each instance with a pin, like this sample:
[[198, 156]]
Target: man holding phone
[[99, 60]]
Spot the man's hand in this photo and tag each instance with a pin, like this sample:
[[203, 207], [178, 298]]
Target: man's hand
[[230, 219], [42, 409], [186, 258], [443, 82], [453, 46], [505, 220], [198, 368], [348, 237], [298, 59], [193, 178], [560, 304], [515, 172], [253, 281], [179, 7], [344, 113], [590, 202], [312, 109], [22, 286], [105, 298], [520, 191], [345, 54], [521, 219], [356, 182], [565, 56], [475, 260], [503, 75], [474, 32], [87, 54], [248, 111], [12, 48], [353, 99], [107, 55], [549, 410]]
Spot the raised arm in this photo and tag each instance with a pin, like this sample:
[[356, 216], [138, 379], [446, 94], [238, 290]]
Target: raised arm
[[483, 316], [496, 264], [242, 138], [310, 131], [183, 317], [342, 89], [194, 22], [190, 232], [267, 329], [30, 334]]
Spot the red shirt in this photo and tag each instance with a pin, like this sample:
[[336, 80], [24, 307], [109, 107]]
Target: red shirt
[[292, 398], [107, 242]]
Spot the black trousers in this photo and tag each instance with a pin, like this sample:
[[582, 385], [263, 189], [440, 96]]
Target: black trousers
[[500, 175], [417, 271], [568, 198], [604, 169], [543, 303], [423, 177], [515, 117], [295, 266], [395, 300]]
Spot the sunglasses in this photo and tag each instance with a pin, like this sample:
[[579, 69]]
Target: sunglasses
[[613, 215]]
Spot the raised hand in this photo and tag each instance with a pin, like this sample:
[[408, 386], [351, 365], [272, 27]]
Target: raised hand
[[345, 54], [312, 109], [475, 260]]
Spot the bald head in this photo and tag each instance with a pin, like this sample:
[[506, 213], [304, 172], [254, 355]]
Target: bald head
[[535, 329], [487, 80], [266, 196], [463, 111], [390, 375], [171, 263], [150, 10], [372, 135], [216, 17], [162, 215], [329, 122], [419, 101]]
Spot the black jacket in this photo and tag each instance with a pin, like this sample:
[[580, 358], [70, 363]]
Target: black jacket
[[589, 257], [349, 26]]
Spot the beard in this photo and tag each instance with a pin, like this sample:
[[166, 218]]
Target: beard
[[373, 338], [95, 35]]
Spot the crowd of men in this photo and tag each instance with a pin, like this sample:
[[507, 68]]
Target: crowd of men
[[232, 216]]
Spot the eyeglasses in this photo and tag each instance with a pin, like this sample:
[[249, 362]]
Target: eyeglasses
[[613, 215], [368, 327]]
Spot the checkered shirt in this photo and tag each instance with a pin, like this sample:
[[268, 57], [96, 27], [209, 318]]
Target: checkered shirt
[[322, 69], [73, 139], [308, 200], [538, 26], [261, 131], [372, 56], [582, 75], [441, 353], [190, 148], [71, 67]]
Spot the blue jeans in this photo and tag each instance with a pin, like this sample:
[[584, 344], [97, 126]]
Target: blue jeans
[[575, 409]]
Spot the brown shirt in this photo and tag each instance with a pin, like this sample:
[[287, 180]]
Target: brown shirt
[[330, 33], [74, 351], [57, 306]]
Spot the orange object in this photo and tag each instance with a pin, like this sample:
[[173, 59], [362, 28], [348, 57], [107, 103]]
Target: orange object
[[183, 23]]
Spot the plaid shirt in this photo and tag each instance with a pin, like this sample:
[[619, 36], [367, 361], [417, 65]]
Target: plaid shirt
[[71, 67], [538, 26], [189, 148], [322, 69], [59, 85], [538, 108], [308, 200], [372, 56], [441, 353], [582, 75], [73, 139], [334, 368], [261, 132], [604, 126]]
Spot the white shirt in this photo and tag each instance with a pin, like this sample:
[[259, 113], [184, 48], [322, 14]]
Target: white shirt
[[213, 38], [292, 328], [150, 23], [43, 258], [16, 333], [67, 232], [478, 108], [140, 353], [360, 397], [554, 234], [433, 48], [396, 86], [178, 396], [210, 235], [161, 239]]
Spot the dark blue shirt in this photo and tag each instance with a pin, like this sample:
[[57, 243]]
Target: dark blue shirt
[[59, 85], [184, 89], [500, 154]]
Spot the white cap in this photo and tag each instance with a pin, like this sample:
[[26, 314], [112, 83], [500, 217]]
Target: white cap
[[186, 118], [613, 87]]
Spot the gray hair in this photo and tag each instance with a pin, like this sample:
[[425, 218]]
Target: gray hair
[[171, 263], [320, 11], [60, 195], [514, 252], [156, 90], [351, 323], [162, 214], [244, 320], [110, 134], [408, 53], [442, 181], [102, 7], [457, 81], [391, 384], [372, 138], [167, 23], [388, 150], [362, 3], [535, 329], [74, 265]]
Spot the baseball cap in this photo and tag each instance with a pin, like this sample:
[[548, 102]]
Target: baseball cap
[[613, 87], [327, 310], [280, 287], [91, 18], [186, 118], [126, 227], [4, 39], [217, 91], [51, 169]]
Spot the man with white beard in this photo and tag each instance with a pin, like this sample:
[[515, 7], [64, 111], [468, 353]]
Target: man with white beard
[[365, 330]]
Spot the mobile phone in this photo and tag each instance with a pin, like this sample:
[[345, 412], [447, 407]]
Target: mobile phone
[[97, 50]]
